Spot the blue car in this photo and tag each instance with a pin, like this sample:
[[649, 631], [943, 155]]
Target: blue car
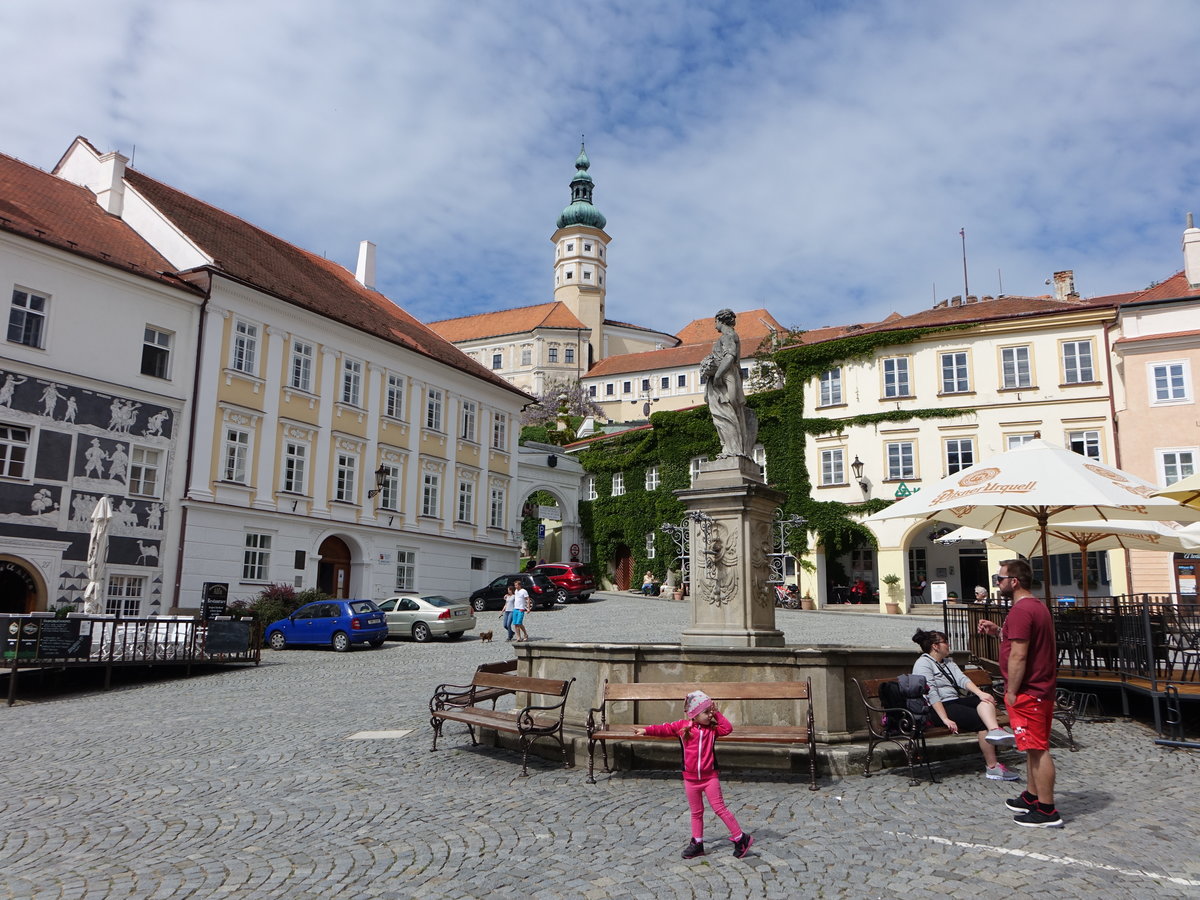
[[338, 623]]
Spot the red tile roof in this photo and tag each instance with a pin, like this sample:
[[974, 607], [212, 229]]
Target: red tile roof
[[249, 254], [506, 322], [649, 360], [752, 328], [1173, 288], [44, 208]]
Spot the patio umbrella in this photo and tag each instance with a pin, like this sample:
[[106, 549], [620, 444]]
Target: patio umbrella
[[1037, 484], [1185, 491], [93, 595]]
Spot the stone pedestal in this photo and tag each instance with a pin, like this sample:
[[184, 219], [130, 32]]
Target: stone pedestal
[[731, 514]]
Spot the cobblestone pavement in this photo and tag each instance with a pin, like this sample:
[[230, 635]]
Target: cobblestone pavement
[[246, 784]]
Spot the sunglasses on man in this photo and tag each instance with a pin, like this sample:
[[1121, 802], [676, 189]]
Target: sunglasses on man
[[996, 579]]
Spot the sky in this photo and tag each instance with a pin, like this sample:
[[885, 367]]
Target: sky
[[811, 157]]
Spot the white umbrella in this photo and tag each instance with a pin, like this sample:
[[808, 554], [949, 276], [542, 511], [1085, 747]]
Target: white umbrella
[[1033, 485], [1185, 491], [97, 556]]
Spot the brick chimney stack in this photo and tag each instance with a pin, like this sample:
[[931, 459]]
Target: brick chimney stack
[[1191, 253], [1064, 286]]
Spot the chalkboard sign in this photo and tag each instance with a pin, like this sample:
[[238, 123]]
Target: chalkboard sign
[[228, 637], [61, 639], [214, 599]]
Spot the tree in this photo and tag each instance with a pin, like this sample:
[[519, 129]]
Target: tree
[[561, 408]]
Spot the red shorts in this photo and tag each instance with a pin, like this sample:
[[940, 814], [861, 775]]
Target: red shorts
[[1030, 718]]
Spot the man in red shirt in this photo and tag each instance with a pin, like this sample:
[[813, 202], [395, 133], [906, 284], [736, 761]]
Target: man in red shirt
[[1029, 664]]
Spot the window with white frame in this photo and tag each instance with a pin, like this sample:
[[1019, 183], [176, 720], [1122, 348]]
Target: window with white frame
[[618, 484], [650, 550], [626, 387], [1169, 382], [652, 478], [895, 377], [244, 357], [609, 389], [955, 376], [27, 318], [389, 489], [500, 431], [760, 458], [124, 597], [960, 454], [470, 410], [589, 487], [1176, 464], [681, 380], [300, 372], [393, 403], [466, 501], [553, 354], [14, 451], [430, 491], [1013, 441], [496, 508], [527, 356], [833, 466], [497, 360], [406, 570], [1085, 443], [694, 469], [236, 455], [591, 390], [433, 409], [1077, 362], [1015, 371], [645, 384], [568, 355], [664, 383], [144, 466], [295, 467], [352, 371], [346, 478], [831, 387], [256, 557], [901, 461], [156, 352]]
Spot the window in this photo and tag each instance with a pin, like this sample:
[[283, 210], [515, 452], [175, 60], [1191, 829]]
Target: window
[[406, 570], [245, 347], [570, 275], [466, 501], [429, 494], [831, 388], [900, 461], [626, 387], [1174, 465], [389, 489], [609, 389], [895, 377], [124, 597], [27, 318], [571, 247], [587, 247], [1168, 382], [694, 468], [496, 508], [14, 450], [1019, 440], [833, 466], [568, 355], [156, 353], [650, 552], [589, 488], [301, 370], [256, 558], [652, 478], [954, 373], [526, 356], [144, 464], [960, 454], [664, 383], [760, 457], [645, 384], [352, 382], [1014, 368], [553, 351], [433, 410], [1077, 362], [1085, 443], [295, 465], [469, 411], [591, 390], [497, 361], [500, 431], [393, 401], [618, 484], [346, 478], [237, 451], [681, 381]]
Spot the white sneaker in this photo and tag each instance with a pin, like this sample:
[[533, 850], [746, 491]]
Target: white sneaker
[[1001, 772], [999, 736]]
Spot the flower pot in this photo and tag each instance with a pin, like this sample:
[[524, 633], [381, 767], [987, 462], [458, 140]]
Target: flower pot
[[677, 595], [808, 603], [892, 607]]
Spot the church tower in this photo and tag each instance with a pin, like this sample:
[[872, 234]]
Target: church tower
[[581, 258]]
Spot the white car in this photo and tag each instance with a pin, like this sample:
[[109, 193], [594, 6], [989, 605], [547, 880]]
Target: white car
[[421, 616]]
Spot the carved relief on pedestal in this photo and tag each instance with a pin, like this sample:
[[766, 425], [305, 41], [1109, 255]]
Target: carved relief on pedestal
[[719, 558], [760, 564]]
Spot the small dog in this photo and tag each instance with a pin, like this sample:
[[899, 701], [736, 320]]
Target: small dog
[[485, 636]]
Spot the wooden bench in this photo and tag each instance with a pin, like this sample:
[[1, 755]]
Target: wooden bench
[[601, 731], [528, 722], [911, 740], [447, 695]]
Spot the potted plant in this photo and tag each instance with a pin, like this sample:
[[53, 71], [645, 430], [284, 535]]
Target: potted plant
[[891, 604], [807, 602]]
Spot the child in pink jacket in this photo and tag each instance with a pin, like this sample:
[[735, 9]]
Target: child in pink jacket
[[698, 735]]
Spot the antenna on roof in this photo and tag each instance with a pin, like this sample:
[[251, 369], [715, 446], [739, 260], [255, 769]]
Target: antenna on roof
[[962, 233], [1000, 278], [133, 154]]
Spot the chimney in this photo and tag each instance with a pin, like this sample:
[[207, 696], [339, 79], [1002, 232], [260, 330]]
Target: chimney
[[1191, 253], [365, 273], [110, 185], [1064, 286]]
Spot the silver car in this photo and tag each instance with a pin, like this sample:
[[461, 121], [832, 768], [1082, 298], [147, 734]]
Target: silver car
[[421, 616]]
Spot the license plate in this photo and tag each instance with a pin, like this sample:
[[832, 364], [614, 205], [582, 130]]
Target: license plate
[[460, 612], [375, 620]]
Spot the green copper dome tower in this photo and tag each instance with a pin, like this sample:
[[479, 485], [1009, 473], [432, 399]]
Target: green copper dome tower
[[581, 211]]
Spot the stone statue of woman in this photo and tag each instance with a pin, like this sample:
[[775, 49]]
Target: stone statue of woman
[[736, 424]]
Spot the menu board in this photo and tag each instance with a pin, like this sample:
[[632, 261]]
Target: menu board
[[28, 638], [227, 637], [19, 638]]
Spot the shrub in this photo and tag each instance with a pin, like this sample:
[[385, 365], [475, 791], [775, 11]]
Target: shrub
[[274, 602]]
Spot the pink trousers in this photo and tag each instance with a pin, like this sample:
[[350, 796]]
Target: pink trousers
[[710, 788]]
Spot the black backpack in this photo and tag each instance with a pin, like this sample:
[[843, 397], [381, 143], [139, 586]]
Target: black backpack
[[906, 692]]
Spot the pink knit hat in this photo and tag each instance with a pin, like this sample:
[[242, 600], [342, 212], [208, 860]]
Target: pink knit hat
[[695, 703]]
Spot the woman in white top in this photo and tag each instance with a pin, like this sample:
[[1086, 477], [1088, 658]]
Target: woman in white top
[[506, 616], [520, 608]]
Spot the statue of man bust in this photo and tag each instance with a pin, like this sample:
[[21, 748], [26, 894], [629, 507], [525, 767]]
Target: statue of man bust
[[736, 424]]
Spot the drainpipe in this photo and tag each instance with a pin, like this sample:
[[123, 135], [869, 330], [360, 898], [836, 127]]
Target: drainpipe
[[1112, 415]]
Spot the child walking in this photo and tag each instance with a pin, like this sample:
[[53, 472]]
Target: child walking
[[698, 735]]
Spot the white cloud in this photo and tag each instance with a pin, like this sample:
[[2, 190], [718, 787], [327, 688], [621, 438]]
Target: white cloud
[[815, 159]]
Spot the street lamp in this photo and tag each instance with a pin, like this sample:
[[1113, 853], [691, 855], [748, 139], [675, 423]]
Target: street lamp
[[857, 468], [381, 475]]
